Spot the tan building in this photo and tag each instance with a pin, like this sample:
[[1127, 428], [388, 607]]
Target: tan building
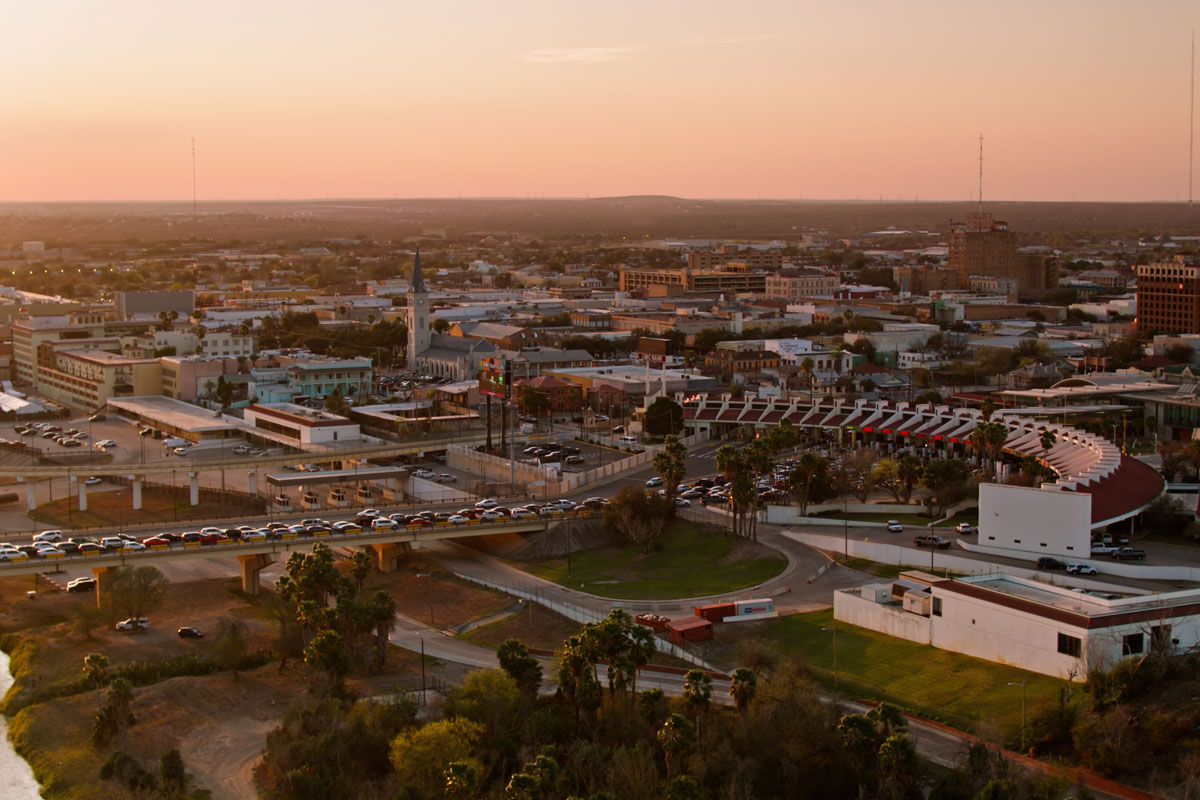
[[753, 258], [985, 247], [187, 377], [733, 278], [923, 280], [28, 334], [89, 378], [797, 285]]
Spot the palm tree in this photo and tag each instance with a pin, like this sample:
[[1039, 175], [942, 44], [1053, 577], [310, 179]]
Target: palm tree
[[697, 691], [641, 649], [96, 667], [360, 568], [462, 780], [909, 470], [383, 614], [675, 738], [743, 684], [806, 366]]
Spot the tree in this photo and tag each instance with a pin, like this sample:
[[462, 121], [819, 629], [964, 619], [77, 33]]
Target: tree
[[743, 684], [637, 516], [697, 691], [855, 474], [326, 657], [1047, 440], [136, 590], [231, 645], [440, 325], [421, 757], [886, 475], [96, 667], [462, 779], [675, 738], [523, 668], [811, 481], [987, 408], [909, 470], [988, 439], [671, 463], [664, 417], [931, 396], [782, 437], [946, 479], [1180, 353], [335, 402], [1175, 459], [642, 648], [172, 773], [488, 697], [360, 568]]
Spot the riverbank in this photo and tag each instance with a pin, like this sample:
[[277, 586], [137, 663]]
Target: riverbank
[[16, 775]]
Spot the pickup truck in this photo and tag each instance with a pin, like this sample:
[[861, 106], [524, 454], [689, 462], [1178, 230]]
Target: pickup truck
[[1129, 554], [1102, 549], [931, 540], [133, 624]]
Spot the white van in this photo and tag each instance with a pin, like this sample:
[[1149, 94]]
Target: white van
[[528, 427], [628, 441], [175, 441]]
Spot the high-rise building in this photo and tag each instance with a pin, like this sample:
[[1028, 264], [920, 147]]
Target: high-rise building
[[1168, 296], [418, 313], [982, 246]]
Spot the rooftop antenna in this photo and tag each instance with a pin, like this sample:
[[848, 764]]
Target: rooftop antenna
[[193, 176], [981, 173], [1192, 125]]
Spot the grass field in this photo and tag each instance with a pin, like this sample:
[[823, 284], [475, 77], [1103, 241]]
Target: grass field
[[694, 561], [966, 692]]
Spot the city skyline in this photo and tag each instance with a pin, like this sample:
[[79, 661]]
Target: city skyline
[[1084, 102]]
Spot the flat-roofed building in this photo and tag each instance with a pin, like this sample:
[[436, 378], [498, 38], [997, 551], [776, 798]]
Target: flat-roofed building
[[318, 377], [755, 258], [298, 426], [90, 378], [1168, 296], [797, 285]]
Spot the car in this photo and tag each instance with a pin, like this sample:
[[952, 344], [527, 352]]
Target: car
[[521, 513], [1129, 554], [81, 585], [214, 538], [90, 547], [416, 520], [97, 418], [693, 494], [346, 526], [70, 548], [189, 633], [146, 432], [180, 451], [595, 503], [254, 537], [72, 443], [29, 432], [563, 503], [600, 418], [931, 540], [423, 473], [52, 537], [382, 524], [151, 541], [257, 452], [552, 511], [106, 443], [493, 514], [1046, 562], [446, 477], [682, 502], [531, 451], [240, 450], [964, 529], [894, 526], [211, 529], [655, 481], [30, 551], [133, 624], [619, 429], [94, 481], [1081, 569], [487, 502], [574, 459], [458, 519], [133, 546], [1102, 549]]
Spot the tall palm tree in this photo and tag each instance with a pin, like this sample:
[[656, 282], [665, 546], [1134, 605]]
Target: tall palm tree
[[743, 685], [675, 738], [641, 649], [383, 614], [697, 691]]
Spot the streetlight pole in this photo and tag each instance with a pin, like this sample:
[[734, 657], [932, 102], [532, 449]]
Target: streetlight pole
[[422, 637]]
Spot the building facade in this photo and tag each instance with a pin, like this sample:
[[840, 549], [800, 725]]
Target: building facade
[[771, 259], [1168, 296], [797, 285], [734, 277]]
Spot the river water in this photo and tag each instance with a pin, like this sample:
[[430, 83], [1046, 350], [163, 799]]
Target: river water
[[16, 778]]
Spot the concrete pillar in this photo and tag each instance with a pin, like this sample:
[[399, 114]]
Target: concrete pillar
[[82, 494], [135, 483], [388, 555], [251, 566], [251, 485], [30, 496], [194, 481], [104, 579]]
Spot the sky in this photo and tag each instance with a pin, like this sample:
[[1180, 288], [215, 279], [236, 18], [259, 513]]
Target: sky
[[749, 99]]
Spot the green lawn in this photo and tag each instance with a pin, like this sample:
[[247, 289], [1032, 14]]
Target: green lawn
[[962, 691], [694, 561]]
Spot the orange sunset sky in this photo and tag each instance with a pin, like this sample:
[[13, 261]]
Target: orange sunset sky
[[781, 98]]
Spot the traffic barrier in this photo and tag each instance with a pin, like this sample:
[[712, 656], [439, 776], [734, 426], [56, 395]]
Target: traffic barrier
[[288, 536], [191, 545]]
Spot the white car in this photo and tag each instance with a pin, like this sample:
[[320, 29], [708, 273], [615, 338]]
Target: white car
[[521, 513], [136, 546], [487, 502], [655, 481], [106, 443], [423, 473], [894, 526], [446, 477], [241, 450], [254, 537], [964, 529], [213, 531], [382, 524], [682, 502], [490, 514], [53, 537], [94, 481], [1081, 569], [565, 505], [457, 519]]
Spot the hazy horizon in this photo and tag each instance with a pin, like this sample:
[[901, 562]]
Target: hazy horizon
[[1079, 102]]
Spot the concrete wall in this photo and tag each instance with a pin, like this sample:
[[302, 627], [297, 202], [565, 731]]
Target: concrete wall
[[1038, 521], [850, 607]]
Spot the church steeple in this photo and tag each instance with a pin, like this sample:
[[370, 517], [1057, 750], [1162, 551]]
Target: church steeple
[[417, 284]]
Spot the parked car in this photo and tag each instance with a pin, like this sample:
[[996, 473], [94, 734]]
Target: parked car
[[81, 585], [1102, 549], [1081, 569], [574, 459], [1129, 554], [423, 473], [931, 540], [894, 526], [446, 477], [133, 624], [106, 443], [97, 418], [682, 502], [964, 529], [94, 481], [189, 633], [1046, 562]]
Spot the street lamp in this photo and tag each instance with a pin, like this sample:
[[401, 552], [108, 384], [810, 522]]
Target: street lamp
[[1022, 685], [429, 594]]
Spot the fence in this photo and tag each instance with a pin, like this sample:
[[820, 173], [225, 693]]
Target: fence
[[540, 593]]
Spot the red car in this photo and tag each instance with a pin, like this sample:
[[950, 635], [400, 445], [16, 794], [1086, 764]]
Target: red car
[[150, 541], [469, 513], [214, 538], [415, 520]]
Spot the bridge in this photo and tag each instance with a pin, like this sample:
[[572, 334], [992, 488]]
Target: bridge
[[387, 546]]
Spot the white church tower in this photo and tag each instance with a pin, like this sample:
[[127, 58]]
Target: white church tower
[[418, 314]]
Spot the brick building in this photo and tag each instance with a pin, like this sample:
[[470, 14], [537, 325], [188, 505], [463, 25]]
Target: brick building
[[1168, 296]]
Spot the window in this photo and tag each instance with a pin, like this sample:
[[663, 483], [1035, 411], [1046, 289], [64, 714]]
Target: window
[[1070, 645], [937, 606], [1131, 644]]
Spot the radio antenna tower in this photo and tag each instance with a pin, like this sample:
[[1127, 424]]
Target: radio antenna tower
[[981, 173], [193, 176], [1192, 125]]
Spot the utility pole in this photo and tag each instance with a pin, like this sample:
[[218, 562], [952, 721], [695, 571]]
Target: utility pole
[[193, 176]]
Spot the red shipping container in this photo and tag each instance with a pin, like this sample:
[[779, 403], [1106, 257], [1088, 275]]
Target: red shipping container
[[654, 622], [715, 612], [692, 629]]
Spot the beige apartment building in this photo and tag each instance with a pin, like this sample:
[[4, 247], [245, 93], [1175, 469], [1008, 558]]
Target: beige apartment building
[[797, 285], [89, 378]]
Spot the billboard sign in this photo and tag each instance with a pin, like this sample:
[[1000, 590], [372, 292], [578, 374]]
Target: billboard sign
[[654, 351], [493, 377]]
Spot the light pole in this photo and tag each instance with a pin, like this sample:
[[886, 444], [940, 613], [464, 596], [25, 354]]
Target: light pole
[[428, 594], [422, 637], [1022, 685]]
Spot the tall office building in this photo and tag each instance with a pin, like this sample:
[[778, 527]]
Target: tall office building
[[1168, 296], [982, 246]]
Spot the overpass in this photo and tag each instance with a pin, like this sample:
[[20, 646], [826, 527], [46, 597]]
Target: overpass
[[253, 557]]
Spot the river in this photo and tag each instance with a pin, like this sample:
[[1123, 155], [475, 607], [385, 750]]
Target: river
[[16, 778]]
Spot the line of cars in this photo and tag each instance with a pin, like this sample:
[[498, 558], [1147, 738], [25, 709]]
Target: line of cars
[[486, 510], [553, 453]]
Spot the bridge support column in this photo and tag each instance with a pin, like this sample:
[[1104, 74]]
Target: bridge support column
[[194, 494], [30, 495], [104, 579], [388, 555], [82, 494], [251, 566], [135, 483], [251, 484]]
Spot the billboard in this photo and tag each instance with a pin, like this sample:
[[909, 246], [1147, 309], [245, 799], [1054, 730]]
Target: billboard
[[493, 377], [654, 351]]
